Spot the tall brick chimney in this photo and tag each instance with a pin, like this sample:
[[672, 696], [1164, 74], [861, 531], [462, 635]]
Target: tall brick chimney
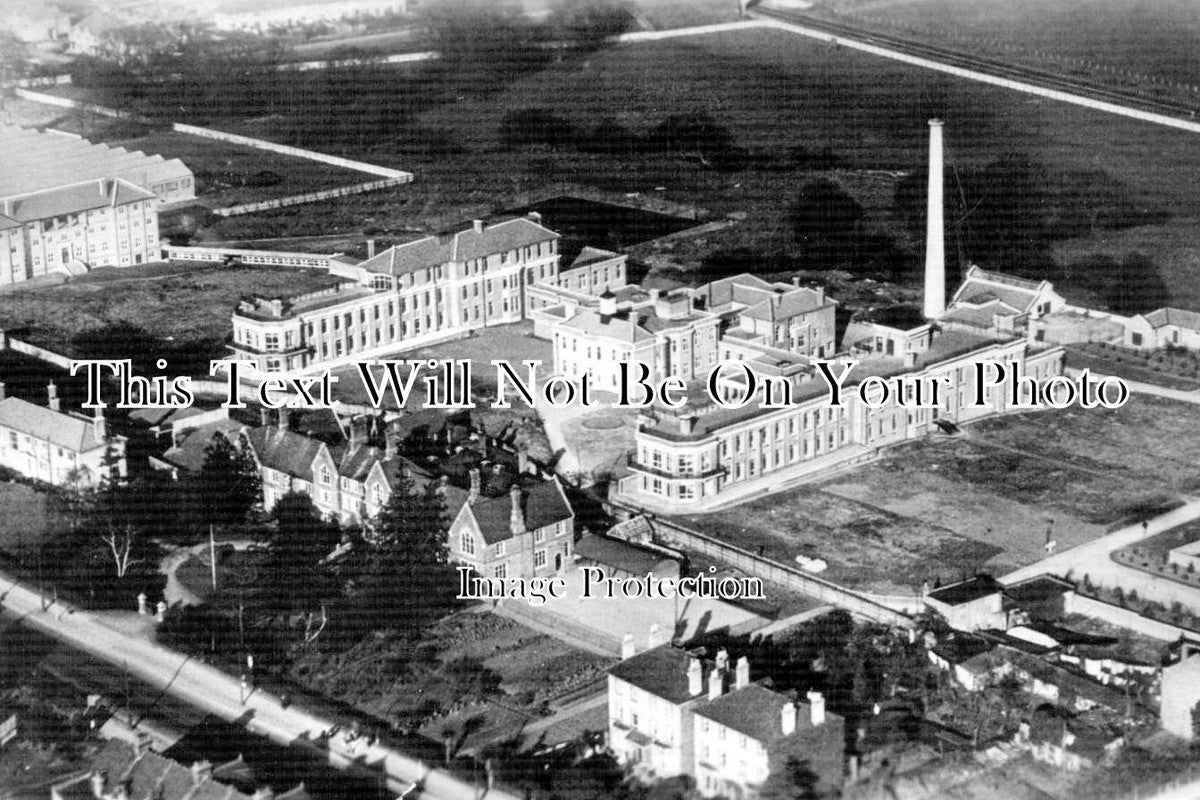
[[935, 229]]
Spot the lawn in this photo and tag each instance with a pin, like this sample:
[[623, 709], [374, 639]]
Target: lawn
[[189, 305], [1176, 371]]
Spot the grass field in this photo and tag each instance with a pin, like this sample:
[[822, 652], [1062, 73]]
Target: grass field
[[188, 302], [775, 92], [984, 499]]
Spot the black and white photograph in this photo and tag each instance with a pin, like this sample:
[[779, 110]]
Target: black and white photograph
[[599, 400]]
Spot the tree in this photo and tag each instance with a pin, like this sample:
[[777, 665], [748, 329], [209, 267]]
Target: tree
[[693, 134], [825, 221], [409, 579], [227, 487], [14, 56], [299, 541], [795, 780], [122, 543]]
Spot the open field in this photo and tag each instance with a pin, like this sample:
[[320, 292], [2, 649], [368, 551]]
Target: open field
[[774, 92], [985, 499], [1176, 371], [190, 303], [1160, 38]]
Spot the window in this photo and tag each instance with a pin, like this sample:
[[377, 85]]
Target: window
[[539, 535], [500, 571], [326, 477], [539, 559], [498, 549], [467, 544]]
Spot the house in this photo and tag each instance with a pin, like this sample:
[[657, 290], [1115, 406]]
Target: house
[[1164, 327], [64, 449], [675, 712], [518, 526], [968, 659], [750, 731], [40, 160], [429, 290], [70, 229], [998, 304], [969, 605]]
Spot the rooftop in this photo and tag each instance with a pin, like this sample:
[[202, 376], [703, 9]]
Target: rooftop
[[967, 591], [73, 199], [61, 430], [472, 243]]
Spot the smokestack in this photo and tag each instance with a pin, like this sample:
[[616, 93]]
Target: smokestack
[[935, 229]]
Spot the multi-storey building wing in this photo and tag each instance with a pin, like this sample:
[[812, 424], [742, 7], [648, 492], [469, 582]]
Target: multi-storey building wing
[[518, 526], [708, 455], [410, 295], [99, 223]]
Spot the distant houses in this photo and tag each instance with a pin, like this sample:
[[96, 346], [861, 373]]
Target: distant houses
[[63, 449]]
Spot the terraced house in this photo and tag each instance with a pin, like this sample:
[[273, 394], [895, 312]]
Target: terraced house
[[433, 289]]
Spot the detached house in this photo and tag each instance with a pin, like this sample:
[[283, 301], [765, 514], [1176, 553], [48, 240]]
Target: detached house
[[513, 527]]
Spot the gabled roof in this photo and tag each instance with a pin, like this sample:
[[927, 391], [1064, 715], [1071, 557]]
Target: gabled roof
[[150, 775], [71, 199], [620, 555], [61, 430], [1162, 317], [981, 287], [662, 671], [543, 503], [465, 245], [286, 451]]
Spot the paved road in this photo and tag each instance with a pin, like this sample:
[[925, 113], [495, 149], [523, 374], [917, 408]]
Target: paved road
[[217, 693], [1095, 560]]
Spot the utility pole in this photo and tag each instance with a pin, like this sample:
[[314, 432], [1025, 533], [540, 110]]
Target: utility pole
[[212, 556]]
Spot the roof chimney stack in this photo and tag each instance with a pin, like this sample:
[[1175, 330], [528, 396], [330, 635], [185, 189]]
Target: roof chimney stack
[[787, 718], [476, 483], [477, 225], [628, 648], [370, 248], [935, 244], [742, 676], [695, 676], [99, 427], [3, 390], [716, 684], [52, 391], [517, 520], [816, 702]]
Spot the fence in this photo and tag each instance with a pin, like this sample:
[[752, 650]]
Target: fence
[[310, 197], [883, 609]]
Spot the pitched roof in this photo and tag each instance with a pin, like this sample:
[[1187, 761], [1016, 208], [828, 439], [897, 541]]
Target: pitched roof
[[465, 245], [72, 199], [981, 287], [543, 503], [662, 672], [621, 555], [755, 711], [593, 255], [1161, 317], [61, 430], [191, 447], [286, 451], [150, 775]]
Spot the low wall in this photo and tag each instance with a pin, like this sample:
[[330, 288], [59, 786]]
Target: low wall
[[310, 197], [1125, 618], [57, 359], [298, 152], [887, 610]]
